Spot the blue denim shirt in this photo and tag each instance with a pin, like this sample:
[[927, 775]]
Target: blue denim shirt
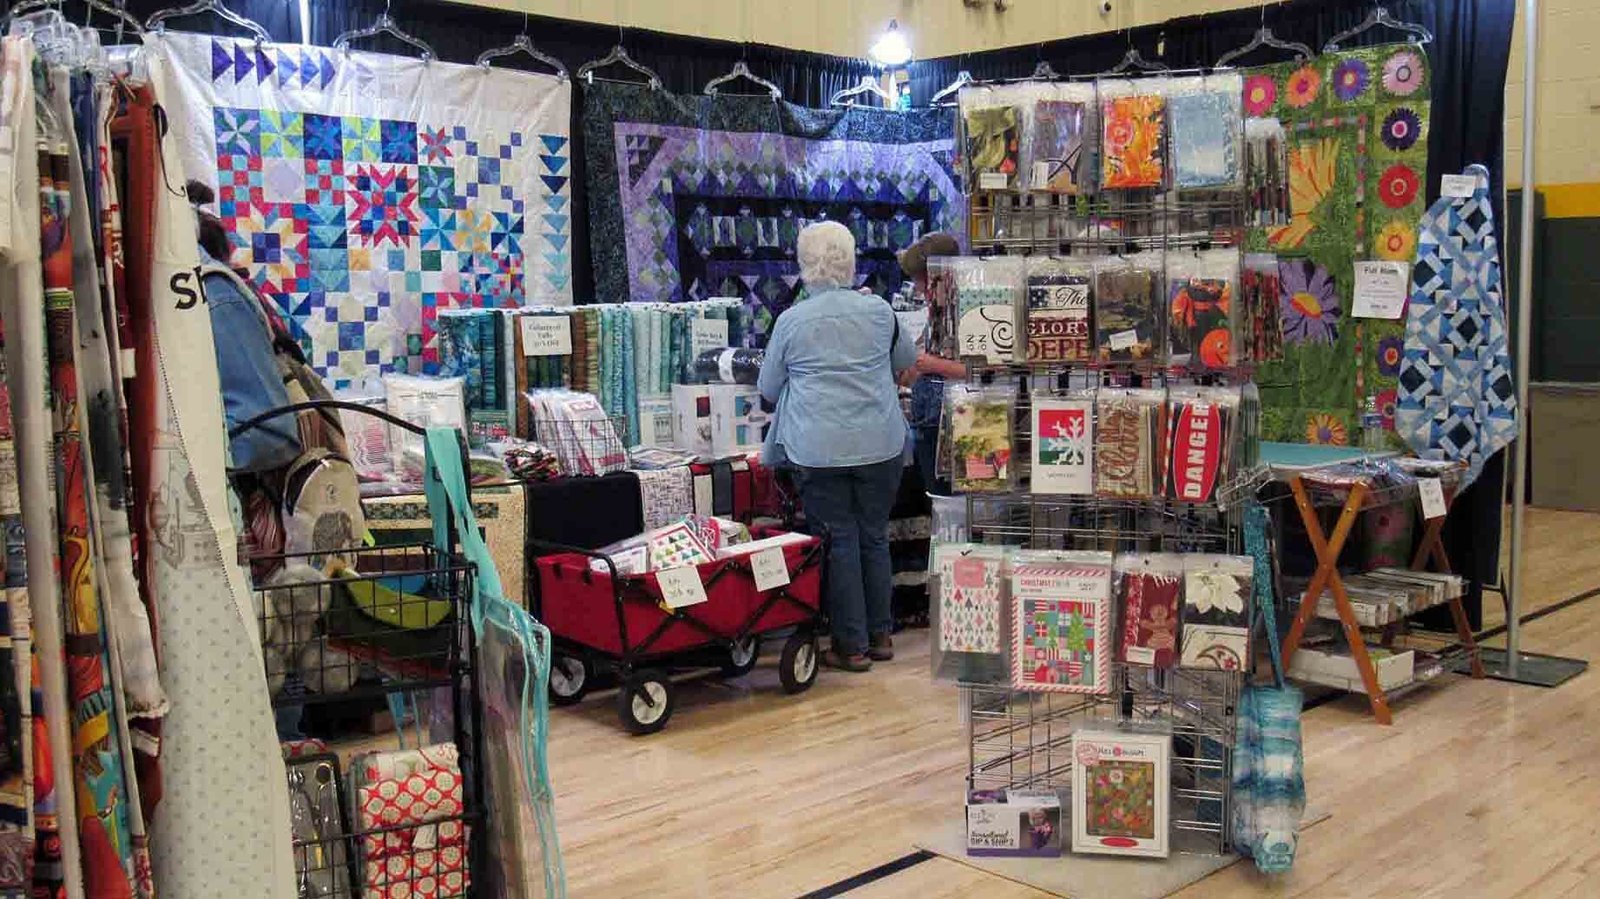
[[831, 372], [248, 372]]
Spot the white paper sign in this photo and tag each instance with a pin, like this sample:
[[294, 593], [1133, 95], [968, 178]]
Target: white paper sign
[[993, 181], [1124, 340], [1381, 289], [1457, 185], [546, 335], [681, 586], [708, 334], [1432, 491], [769, 569]]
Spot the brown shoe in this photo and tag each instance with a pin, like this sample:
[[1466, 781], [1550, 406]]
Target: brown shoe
[[855, 662], [880, 648]]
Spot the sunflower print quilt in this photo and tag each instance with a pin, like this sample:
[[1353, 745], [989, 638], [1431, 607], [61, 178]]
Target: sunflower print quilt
[[1358, 152]]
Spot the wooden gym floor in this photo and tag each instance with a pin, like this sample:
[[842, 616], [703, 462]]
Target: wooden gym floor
[[1480, 789]]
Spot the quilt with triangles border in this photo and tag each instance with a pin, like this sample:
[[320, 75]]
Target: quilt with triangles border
[[694, 197], [364, 193]]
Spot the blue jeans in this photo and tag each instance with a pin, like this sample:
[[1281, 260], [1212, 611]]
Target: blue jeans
[[853, 503]]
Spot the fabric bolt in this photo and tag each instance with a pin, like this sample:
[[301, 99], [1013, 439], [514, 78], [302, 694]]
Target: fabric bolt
[[693, 197], [1357, 157], [367, 192], [665, 495], [1456, 399]]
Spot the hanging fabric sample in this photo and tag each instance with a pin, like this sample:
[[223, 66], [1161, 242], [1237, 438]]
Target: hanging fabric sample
[[1061, 141], [992, 136], [1457, 401], [1203, 115], [222, 826], [1062, 633], [366, 192], [1058, 310], [1355, 124], [694, 197], [1132, 151]]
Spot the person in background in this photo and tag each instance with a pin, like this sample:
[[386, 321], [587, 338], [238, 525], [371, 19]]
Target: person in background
[[927, 377], [830, 369]]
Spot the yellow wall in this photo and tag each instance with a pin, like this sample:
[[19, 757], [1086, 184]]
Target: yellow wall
[[1569, 64]]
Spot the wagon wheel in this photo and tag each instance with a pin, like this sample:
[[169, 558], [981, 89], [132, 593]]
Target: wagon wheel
[[645, 701], [569, 679], [797, 667], [742, 657]]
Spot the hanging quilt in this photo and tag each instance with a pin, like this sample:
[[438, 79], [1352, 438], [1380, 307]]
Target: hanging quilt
[[1456, 396], [366, 192], [1356, 126], [693, 197]]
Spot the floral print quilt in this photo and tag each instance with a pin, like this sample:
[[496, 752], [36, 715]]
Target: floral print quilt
[[1358, 152]]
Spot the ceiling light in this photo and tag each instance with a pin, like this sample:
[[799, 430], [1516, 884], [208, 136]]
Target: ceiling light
[[891, 48]]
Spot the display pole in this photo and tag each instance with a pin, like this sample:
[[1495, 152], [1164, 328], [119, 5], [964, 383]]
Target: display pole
[[1519, 456]]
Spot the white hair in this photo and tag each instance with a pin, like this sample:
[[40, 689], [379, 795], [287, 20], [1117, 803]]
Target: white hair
[[827, 253]]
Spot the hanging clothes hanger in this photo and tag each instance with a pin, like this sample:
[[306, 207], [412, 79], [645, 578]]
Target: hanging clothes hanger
[[847, 96], [1265, 38], [124, 18], [740, 70], [158, 21], [1379, 17], [1134, 61], [951, 90], [384, 25], [618, 56], [522, 44]]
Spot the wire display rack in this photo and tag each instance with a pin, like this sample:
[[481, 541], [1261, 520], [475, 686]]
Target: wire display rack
[[386, 619]]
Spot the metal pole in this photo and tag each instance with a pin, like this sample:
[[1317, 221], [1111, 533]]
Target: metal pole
[[1519, 457]]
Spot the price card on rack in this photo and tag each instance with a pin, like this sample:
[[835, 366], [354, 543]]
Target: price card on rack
[[681, 586], [1432, 491], [708, 334], [546, 335], [1381, 289], [769, 568]]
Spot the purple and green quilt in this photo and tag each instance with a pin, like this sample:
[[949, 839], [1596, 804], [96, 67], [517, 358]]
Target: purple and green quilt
[[694, 197]]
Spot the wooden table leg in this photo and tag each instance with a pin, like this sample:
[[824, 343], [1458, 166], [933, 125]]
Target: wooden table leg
[[1432, 548], [1327, 551]]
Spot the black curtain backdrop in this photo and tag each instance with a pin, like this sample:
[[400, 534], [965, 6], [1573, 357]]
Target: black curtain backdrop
[[1468, 57]]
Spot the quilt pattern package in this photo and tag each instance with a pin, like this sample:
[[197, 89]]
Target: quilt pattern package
[[365, 193], [695, 197]]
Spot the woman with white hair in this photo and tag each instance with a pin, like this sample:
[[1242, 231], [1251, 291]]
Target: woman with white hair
[[831, 367]]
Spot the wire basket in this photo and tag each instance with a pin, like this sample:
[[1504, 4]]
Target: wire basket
[[392, 618]]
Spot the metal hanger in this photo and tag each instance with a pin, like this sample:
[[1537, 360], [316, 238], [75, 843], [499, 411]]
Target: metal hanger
[[124, 18], [524, 45], [158, 21], [1133, 60], [618, 56], [847, 96], [1379, 17], [1265, 38], [1044, 72], [740, 70], [952, 89], [384, 25]]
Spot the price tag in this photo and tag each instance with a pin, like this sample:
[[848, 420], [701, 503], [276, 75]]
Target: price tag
[[1125, 340], [993, 181], [1458, 186], [769, 569], [1041, 174], [1381, 289], [708, 334], [1432, 490], [546, 335], [681, 586]]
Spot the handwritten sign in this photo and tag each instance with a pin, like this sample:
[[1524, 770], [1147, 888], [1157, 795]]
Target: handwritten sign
[[1458, 186], [1124, 340], [708, 334], [1432, 491], [681, 586], [546, 335], [1381, 289], [769, 569]]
